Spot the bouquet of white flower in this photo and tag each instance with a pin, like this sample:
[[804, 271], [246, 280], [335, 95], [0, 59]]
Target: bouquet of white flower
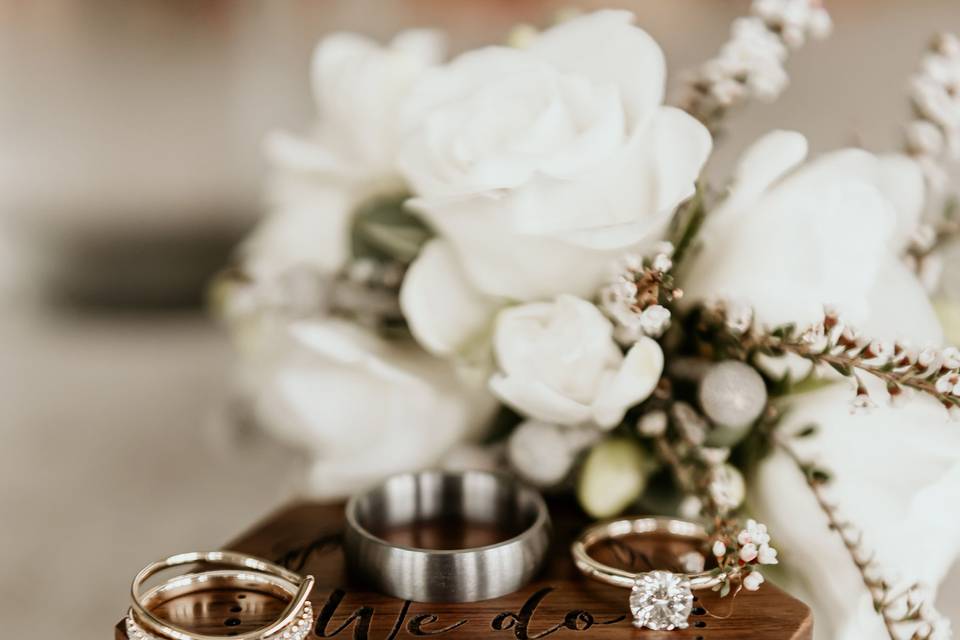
[[510, 259]]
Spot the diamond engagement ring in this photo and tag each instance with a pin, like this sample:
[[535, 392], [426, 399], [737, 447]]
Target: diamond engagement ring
[[659, 600], [232, 571]]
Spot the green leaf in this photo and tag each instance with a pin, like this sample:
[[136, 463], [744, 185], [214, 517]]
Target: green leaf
[[785, 331], [383, 229], [725, 590], [951, 208], [842, 369], [687, 222], [402, 243], [811, 383], [818, 475], [807, 431]]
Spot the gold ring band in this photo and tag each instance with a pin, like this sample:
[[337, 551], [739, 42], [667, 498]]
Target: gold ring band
[[242, 571], [659, 600], [637, 526]]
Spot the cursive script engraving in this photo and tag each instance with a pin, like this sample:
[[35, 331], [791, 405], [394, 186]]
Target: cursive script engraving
[[576, 620], [423, 624], [295, 558], [415, 627], [364, 616]]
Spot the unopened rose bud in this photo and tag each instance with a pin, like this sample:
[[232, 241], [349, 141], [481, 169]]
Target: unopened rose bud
[[613, 475]]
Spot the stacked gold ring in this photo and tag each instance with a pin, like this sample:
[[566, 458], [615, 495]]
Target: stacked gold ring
[[235, 570]]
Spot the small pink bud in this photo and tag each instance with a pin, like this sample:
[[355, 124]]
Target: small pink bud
[[748, 552]]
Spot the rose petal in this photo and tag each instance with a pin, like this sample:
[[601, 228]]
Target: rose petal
[[901, 179], [424, 157], [897, 177], [517, 332], [766, 161], [606, 47], [634, 382], [653, 173], [429, 46], [509, 265], [895, 510], [300, 154], [536, 400], [900, 308], [547, 341], [315, 391], [441, 307], [310, 226], [818, 237], [358, 86]]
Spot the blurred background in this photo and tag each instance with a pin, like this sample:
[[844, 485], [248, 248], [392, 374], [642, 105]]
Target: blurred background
[[131, 164]]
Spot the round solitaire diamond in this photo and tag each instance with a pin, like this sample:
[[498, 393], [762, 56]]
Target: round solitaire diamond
[[661, 601]]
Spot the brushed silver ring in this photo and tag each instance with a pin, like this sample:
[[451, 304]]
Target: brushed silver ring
[[447, 575]]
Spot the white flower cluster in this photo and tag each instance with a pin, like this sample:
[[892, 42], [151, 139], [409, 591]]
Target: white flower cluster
[[898, 364], [631, 300], [752, 549], [794, 20], [949, 382], [750, 64], [911, 612], [755, 544], [482, 239], [935, 94]]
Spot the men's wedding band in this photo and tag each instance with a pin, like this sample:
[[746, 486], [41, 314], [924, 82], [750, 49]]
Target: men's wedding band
[[447, 575], [233, 571]]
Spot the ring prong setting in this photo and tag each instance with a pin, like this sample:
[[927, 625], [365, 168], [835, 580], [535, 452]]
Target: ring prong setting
[[661, 601]]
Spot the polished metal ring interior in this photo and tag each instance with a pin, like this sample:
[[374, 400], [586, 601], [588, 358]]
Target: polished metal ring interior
[[233, 571], [447, 575], [659, 600]]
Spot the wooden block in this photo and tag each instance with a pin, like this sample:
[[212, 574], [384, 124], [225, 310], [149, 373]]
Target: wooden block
[[306, 538]]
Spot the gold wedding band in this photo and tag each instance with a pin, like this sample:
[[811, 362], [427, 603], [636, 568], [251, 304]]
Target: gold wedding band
[[234, 570]]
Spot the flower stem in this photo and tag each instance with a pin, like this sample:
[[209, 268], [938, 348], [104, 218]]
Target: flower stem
[[884, 599], [889, 376]]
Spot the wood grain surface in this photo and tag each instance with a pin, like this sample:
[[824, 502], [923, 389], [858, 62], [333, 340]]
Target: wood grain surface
[[560, 602]]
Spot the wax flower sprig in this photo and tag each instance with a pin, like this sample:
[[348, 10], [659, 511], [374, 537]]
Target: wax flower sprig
[[834, 344], [639, 298], [897, 607]]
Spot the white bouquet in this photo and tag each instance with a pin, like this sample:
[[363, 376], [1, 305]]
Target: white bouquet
[[511, 259]]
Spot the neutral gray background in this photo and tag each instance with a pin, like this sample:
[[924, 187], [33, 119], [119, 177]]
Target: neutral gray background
[[123, 119]]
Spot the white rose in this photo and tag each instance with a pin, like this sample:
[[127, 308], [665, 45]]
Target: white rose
[[537, 167], [349, 156], [559, 363], [895, 475], [362, 407], [790, 239]]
